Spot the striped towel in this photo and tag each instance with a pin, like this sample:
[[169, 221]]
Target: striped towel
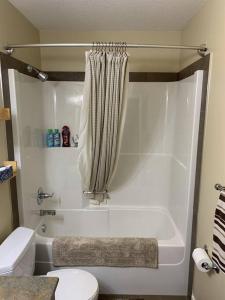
[[218, 254]]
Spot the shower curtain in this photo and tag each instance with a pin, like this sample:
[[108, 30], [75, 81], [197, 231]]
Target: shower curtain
[[102, 120]]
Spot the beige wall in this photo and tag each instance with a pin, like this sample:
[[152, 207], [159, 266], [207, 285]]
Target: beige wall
[[14, 28], [209, 26], [71, 59]]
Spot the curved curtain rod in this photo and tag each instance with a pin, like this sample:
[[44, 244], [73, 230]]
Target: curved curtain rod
[[202, 49]]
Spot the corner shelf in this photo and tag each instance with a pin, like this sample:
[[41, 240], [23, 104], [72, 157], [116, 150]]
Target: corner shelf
[[10, 163], [5, 114]]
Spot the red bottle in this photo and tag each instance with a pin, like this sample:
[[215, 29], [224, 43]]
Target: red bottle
[[65, 136]]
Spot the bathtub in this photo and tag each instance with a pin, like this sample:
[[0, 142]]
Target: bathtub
[[169, 279]]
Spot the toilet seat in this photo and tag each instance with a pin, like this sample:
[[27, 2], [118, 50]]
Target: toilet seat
[[75, 284]]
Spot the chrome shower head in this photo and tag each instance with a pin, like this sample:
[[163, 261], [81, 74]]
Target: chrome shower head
[[41, 75]]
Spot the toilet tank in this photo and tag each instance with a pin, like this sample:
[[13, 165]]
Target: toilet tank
[[17, 253]]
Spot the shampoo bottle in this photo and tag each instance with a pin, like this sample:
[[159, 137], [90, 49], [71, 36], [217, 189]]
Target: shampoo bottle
[[50, 138], [56, 138], [66, 136]]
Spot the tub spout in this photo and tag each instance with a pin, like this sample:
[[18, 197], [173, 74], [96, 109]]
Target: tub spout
[[47, 212]]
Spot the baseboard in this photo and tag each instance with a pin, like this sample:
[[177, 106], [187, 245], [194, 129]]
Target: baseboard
[[193, 297]]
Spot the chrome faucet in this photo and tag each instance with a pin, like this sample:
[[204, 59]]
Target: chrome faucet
[[47, 212], [41, 195]]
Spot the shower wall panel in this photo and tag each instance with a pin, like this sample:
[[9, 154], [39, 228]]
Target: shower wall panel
[[27, 119], [188, 102], [145, 159]]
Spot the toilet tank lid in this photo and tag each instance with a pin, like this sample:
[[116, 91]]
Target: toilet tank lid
[[14, 247]]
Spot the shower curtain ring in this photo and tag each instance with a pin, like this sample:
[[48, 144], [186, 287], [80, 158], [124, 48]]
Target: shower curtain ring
[[120, 48], [124, 47], [117, 47]]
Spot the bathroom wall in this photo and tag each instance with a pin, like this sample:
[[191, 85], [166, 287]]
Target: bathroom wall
[[72, 59], [13, 28], [208, 26], [16, 29]]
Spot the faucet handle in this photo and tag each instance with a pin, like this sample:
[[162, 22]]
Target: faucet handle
[[41, 195]]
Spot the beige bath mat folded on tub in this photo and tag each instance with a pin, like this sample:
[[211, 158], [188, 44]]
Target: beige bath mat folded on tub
[[108, 252]]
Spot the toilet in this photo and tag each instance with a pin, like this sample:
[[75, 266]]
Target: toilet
[[17, 258]]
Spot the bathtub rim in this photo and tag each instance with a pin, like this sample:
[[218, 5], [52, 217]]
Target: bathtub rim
[[176, 240]]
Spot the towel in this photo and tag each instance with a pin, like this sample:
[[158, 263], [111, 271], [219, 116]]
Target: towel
[[218, 254], [6, 172], [108, 252]]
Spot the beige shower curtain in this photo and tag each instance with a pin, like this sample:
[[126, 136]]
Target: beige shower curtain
[[102, 120]]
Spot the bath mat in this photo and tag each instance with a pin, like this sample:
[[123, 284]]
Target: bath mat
[[108, 252]]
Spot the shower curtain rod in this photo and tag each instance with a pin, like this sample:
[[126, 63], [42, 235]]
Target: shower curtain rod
[[202, 49]]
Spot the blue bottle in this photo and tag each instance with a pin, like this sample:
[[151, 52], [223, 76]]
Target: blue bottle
[[56, 135], [50, 138]]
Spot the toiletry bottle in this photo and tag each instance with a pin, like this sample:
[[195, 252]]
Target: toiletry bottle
[[50, 138], [66, 136], [56, 138], [75, 140]]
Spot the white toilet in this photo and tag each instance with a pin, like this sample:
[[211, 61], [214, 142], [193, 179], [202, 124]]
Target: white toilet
[[17, 258]]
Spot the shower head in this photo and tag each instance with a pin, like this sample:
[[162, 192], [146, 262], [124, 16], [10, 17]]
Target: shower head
[[41, 75]]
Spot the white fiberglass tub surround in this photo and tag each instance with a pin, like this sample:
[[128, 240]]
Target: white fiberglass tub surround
[[120, 222], [153, 189]]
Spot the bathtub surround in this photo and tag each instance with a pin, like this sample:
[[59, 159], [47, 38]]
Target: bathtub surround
[[152, 152], [102, 119], [105, 252], [60, 213]]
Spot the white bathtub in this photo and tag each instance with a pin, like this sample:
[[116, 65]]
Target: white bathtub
[[169, 279]]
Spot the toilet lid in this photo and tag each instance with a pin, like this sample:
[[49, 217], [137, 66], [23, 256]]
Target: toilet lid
[[75, 284]]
